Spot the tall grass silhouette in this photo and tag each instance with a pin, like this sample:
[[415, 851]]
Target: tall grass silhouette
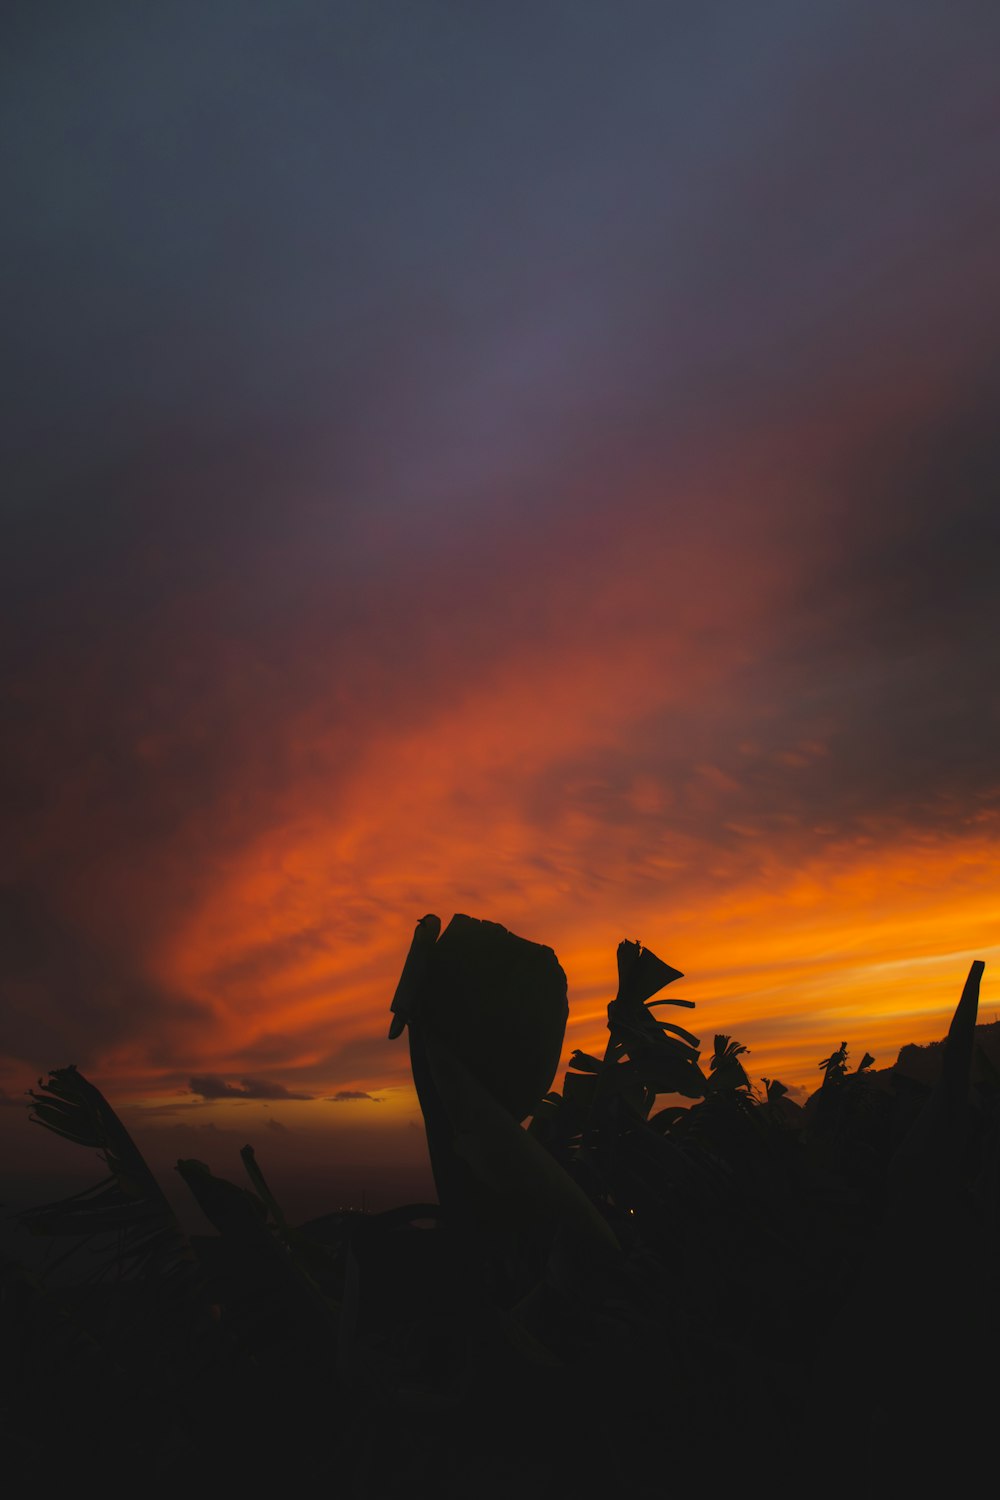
[[626, 1290]]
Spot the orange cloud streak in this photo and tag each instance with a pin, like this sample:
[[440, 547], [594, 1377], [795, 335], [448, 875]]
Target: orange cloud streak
[[301, 943]]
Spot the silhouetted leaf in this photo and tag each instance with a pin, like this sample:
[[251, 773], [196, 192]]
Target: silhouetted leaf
[[527, 1182], [261, 1188], [834, 1067], [129, 1203], [230, 1209], [406, 1001], [686, 1036], [579, 1092], [927, 1153], [670, 1115], [725, 1066], [956, 1066], [584, 1063], [665, 1055], [241, 1217], [499, 1003], [641, 974]]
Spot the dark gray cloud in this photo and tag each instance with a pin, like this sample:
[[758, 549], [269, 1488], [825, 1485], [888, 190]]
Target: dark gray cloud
[[175, 1106], [344, 1096], [211, 1086]]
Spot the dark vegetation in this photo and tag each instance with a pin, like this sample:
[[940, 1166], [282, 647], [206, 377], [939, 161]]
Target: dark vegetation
[[623, 1296]]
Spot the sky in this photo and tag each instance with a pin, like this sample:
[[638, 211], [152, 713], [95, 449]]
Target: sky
[[534, 460]]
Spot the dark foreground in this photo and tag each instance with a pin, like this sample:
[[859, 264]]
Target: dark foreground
[[619, 1298]]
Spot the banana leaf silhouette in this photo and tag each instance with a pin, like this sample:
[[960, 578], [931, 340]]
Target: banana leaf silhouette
[[486, 1013], [929, 1153], [727, 1072], [499, 1001], [665, 1054], [276, 1276], [129, 1203], [834, 1067]]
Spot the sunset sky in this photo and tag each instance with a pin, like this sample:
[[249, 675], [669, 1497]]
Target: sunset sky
[[536, 460]]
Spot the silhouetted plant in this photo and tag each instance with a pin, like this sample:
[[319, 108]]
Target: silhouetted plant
[[129, 1203], [835, 1067], [569, 1264], [726, 1069]]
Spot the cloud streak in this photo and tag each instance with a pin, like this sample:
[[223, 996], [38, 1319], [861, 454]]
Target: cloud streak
[[209, 1086]]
